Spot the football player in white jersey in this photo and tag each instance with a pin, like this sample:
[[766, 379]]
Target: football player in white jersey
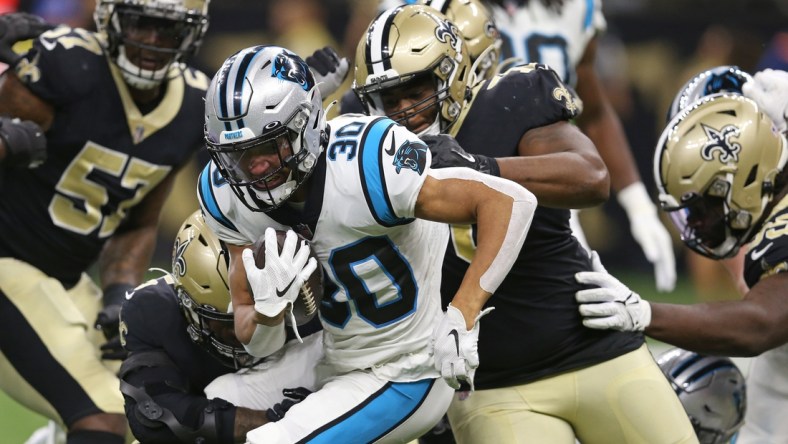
[[364, 187], [563, 35]]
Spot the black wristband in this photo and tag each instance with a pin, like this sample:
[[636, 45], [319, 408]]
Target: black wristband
[[115, 294], [488, 165]]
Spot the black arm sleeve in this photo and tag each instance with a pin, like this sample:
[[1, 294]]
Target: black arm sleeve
[[161, 408]]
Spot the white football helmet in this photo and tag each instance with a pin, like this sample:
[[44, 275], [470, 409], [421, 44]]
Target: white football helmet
[[179, 27], [724, 78], [263, 102], [711, 389]]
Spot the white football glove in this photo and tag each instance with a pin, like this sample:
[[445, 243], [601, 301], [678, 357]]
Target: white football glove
[[328, 69], [612, 305], [456, 349], [769, 89], [650, 234], [277, 285]]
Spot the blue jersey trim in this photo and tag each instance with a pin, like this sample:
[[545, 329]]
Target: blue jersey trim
[[209, 200], [372, 176], [376, 416], [589, 14]]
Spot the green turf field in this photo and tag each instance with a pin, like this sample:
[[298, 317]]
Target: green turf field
[[16, 423]]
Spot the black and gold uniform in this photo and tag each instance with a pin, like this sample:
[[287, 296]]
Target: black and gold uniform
[[542, 374], [104, 156], [535, 330]]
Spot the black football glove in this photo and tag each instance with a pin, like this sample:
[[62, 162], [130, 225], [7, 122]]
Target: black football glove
[[292, 397], [15, 27], [113, 350], [328, 69], [446, 152], [24, 141], [108, 319]]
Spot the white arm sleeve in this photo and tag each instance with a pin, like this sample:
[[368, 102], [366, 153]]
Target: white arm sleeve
[[523, 210]]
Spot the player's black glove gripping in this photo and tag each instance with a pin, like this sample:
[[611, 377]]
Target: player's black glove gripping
[[108, 319], [328, 69], [446, 152], [292, 397], [24, 141], [18, 26]]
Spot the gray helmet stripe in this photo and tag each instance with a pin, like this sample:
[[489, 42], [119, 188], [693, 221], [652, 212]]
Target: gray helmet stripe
[[230, 94]]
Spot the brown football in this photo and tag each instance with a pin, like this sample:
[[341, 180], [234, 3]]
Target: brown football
[[311, 293]]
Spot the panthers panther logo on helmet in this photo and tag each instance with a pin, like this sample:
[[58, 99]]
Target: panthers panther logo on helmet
[[288, 68]]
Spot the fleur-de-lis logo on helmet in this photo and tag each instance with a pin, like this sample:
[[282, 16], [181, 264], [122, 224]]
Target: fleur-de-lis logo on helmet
[[720, 141], [446, 32], [178, 262]]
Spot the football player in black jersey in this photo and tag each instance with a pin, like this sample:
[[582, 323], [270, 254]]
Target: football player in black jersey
[[542, 375], [178, 330], [720, 170], [121, 114]]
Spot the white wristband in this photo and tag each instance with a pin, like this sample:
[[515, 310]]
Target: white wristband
[[266, 340], [635, 199]]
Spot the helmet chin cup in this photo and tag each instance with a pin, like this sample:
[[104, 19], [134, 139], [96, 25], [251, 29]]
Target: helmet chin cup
[[137, 77]]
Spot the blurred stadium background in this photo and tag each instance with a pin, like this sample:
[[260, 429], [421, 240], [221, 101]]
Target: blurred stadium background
[[651, 48]]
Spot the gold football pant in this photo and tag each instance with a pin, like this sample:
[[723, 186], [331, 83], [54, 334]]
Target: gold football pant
[[623, 400]]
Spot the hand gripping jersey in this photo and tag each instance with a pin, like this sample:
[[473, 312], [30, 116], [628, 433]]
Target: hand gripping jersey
[[104, 154], [537, 34], [535, 330], [384, 262]]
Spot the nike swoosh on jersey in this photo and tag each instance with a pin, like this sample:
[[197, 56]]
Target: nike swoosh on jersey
[[129, 295], [284, 291], [391, 150], [755, 255], [456, 340]]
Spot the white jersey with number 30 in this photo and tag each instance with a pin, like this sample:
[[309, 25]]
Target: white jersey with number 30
[[385, 263]]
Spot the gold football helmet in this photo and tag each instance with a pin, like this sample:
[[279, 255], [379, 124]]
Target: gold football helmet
[[475, 21], [199, 268], [715, 166], [179, 25], [408, 42]]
